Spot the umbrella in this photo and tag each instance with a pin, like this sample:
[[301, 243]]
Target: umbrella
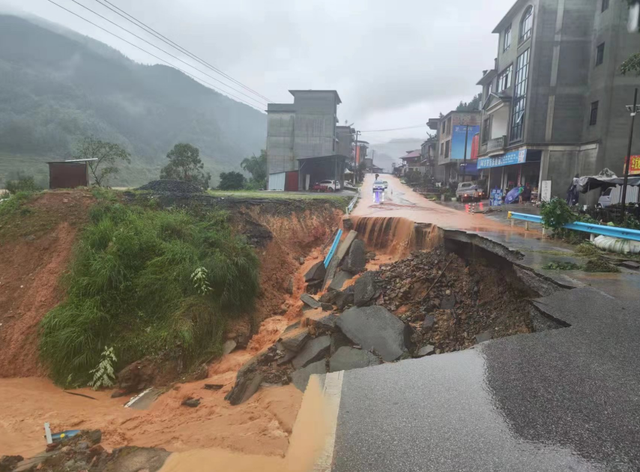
[[513, 195]]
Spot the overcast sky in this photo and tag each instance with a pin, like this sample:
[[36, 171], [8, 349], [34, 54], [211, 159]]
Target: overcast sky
[[395, 63]]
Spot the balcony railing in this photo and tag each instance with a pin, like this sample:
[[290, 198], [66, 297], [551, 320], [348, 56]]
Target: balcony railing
[[494, 146]]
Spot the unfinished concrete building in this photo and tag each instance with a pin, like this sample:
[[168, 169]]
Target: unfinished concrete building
[[303, 143]]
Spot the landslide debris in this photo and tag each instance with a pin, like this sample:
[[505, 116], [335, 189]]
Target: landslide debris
[[449, 302], [84, 453]]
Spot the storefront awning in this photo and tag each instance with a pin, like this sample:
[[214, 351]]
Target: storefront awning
[[508, 159]]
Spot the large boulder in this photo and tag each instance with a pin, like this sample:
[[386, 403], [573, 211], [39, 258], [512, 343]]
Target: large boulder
[[300, 377], [313, 351], [356, 260], [317, 272], [364, 290], [345, 298], [375, 328], [348, 358]]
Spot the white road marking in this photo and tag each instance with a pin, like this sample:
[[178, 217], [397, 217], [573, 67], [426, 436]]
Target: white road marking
[[332, 393]]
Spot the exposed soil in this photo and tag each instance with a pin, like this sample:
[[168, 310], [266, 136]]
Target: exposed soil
[[36, 249]]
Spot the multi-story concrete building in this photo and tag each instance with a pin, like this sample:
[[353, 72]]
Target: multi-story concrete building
[[554, 103], [303, 140], [455, 142]]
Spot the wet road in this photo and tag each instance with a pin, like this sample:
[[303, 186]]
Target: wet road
[[560, 400]]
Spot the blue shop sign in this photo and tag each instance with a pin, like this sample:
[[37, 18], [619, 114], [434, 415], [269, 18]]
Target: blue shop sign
[[510, 158]]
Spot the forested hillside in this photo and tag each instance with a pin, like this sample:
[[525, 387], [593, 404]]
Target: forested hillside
[[57, 87]]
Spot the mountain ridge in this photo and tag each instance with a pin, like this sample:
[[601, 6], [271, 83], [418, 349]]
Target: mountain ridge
[[59, 88]]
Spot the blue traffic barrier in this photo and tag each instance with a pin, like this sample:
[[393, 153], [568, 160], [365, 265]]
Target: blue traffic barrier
[[333, 248], [603, 230]]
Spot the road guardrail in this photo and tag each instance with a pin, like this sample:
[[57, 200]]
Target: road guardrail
[[612, 231]]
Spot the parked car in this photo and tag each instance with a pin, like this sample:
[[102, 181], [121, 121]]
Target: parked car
[[327, 186], [613, 196], [468, 191]]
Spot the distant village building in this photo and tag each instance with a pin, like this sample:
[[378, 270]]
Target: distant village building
[[69, 174], [455, 135], [304, 143], [554, 102]]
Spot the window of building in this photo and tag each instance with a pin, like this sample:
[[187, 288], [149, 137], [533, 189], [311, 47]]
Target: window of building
[[447, 149], [593, 116], [486, 130], [526, 24], [449, 126], [442, 149], [504, 79], [520, 96], [605, 5], [599, 54], [507, 38]]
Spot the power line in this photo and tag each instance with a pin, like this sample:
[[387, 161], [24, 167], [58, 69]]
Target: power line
[[260, 102], [153, 55], [392, 129], [132, 19]]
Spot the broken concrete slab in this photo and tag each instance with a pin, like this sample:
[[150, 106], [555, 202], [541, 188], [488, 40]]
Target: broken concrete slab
[[338, 256], [310, 301], [348, 358], [338, 340], [317, 272], [484, 336], [144, 400], [339, 280], [328, 297], [375, 328], [300, 377], [327, 306], [364, 289], [191, 402], [228, 347], [294, 340], [425, 351], [630, 265], [313, 351], [246, 385], [356, 260], [345, 298]]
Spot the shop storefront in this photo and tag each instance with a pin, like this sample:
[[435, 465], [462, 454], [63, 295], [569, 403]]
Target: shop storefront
[[515, 168]]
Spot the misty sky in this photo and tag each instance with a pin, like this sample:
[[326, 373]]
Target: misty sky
[[395, 63]]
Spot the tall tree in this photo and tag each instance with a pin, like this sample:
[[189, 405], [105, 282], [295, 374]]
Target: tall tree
[[105, 158], [473, 105], [231, 181], [257, 167], [185, 164]]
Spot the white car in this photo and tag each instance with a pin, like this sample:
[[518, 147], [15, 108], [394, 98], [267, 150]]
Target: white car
[[329, 185]]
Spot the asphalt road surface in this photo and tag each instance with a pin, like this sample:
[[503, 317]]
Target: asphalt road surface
[[561, 400]]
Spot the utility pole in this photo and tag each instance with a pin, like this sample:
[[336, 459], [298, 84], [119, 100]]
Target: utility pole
[[355, 160], [464, 162], [634, 111]]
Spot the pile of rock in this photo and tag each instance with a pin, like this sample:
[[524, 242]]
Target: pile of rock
[[83, 452]]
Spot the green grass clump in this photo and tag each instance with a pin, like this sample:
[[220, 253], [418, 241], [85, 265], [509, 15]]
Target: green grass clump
[[597, 264], [587, 249], [560, 265], [13, 204], [130, 287]]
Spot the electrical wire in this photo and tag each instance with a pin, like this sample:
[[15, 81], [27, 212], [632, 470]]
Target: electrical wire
[[132, 19], [153, 55], [392, 129], [260, 102]]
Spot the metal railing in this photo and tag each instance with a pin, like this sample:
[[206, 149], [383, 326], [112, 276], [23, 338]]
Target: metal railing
[[612, 231], [353, 203]]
